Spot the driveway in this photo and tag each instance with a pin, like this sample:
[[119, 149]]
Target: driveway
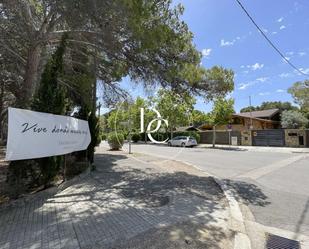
[[275, 186]]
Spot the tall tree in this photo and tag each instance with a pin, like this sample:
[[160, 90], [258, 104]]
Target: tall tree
[[221, 114], [174, 107], [300, 93], [52, 98], [146, 40], [293, 119], [282, 106], [128, 111], [198, 118]]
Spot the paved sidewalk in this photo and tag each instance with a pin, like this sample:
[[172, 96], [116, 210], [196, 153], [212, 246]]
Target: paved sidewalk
[[257, 148], [141, 202]]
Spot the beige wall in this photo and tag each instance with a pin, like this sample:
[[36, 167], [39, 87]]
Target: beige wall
[[257, 125], [292, 137], [246, 138]]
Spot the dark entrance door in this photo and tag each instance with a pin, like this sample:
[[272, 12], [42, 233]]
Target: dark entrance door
[[268, 137]]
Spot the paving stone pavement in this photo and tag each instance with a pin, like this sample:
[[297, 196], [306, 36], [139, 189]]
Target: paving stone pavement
[[121, 199]]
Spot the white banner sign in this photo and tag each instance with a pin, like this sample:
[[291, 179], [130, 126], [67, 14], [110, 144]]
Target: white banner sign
[[36, 134]]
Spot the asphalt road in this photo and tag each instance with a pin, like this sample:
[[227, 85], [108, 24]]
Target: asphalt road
[[275, 186]]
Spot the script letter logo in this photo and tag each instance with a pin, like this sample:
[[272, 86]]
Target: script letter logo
[[159, 120]]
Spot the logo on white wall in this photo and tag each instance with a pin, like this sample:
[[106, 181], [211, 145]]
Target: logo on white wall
[[159, 120]]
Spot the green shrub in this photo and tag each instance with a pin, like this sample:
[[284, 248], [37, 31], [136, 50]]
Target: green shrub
[[136, 137], [115, 140], [103, 136]]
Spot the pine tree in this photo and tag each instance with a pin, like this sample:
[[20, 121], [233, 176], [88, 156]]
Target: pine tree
[[51, 97]]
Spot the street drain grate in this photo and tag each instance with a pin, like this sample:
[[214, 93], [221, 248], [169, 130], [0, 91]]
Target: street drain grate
[[277, 242]]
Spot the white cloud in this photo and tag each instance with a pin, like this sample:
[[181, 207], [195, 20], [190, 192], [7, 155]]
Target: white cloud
[[224, 43], [265, 30], [290, 53], [285, 75], [282, 27], [280, 91], [305, 70], [302, 54], [243, 86], [262, 79], [274, 33], [242, 66], [255, 66], [288, 58], [297, 6], [280, 19], [206, 52], [264, 93]]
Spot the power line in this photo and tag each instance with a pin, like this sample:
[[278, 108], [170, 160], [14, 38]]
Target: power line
[[269, 41]]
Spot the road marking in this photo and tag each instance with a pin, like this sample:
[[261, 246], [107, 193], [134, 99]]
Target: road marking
[[257, 173]]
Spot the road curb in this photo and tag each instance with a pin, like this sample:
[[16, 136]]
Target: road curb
[[241, 239]]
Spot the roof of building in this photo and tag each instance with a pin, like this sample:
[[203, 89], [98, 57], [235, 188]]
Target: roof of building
[[187, 128], [258, 114]]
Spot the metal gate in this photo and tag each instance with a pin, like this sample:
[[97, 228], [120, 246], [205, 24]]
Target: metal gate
[[268, 137]]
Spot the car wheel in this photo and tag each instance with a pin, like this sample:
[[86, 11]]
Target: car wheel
[[169, 144], [183, 145]]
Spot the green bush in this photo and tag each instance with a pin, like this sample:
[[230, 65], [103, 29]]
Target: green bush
[[115, 140], [103, 136], [136, 137]]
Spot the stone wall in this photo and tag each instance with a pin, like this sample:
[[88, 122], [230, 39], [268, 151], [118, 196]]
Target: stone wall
[[246, 138], [295, 138]]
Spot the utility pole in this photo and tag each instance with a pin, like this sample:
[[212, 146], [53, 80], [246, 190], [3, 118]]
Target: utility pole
[[130, 133], [99, 108]]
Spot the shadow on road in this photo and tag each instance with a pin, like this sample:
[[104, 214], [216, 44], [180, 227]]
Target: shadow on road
[[248, 193], [301, 220]]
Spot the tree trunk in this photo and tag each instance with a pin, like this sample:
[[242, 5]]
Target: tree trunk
[[1, 108], [29, 84], [172, 132], [214, 136]]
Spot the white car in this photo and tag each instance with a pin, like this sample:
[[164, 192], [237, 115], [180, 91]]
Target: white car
[[183, 141]]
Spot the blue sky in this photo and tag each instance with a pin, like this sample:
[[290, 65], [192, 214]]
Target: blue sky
[[226, 37]]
